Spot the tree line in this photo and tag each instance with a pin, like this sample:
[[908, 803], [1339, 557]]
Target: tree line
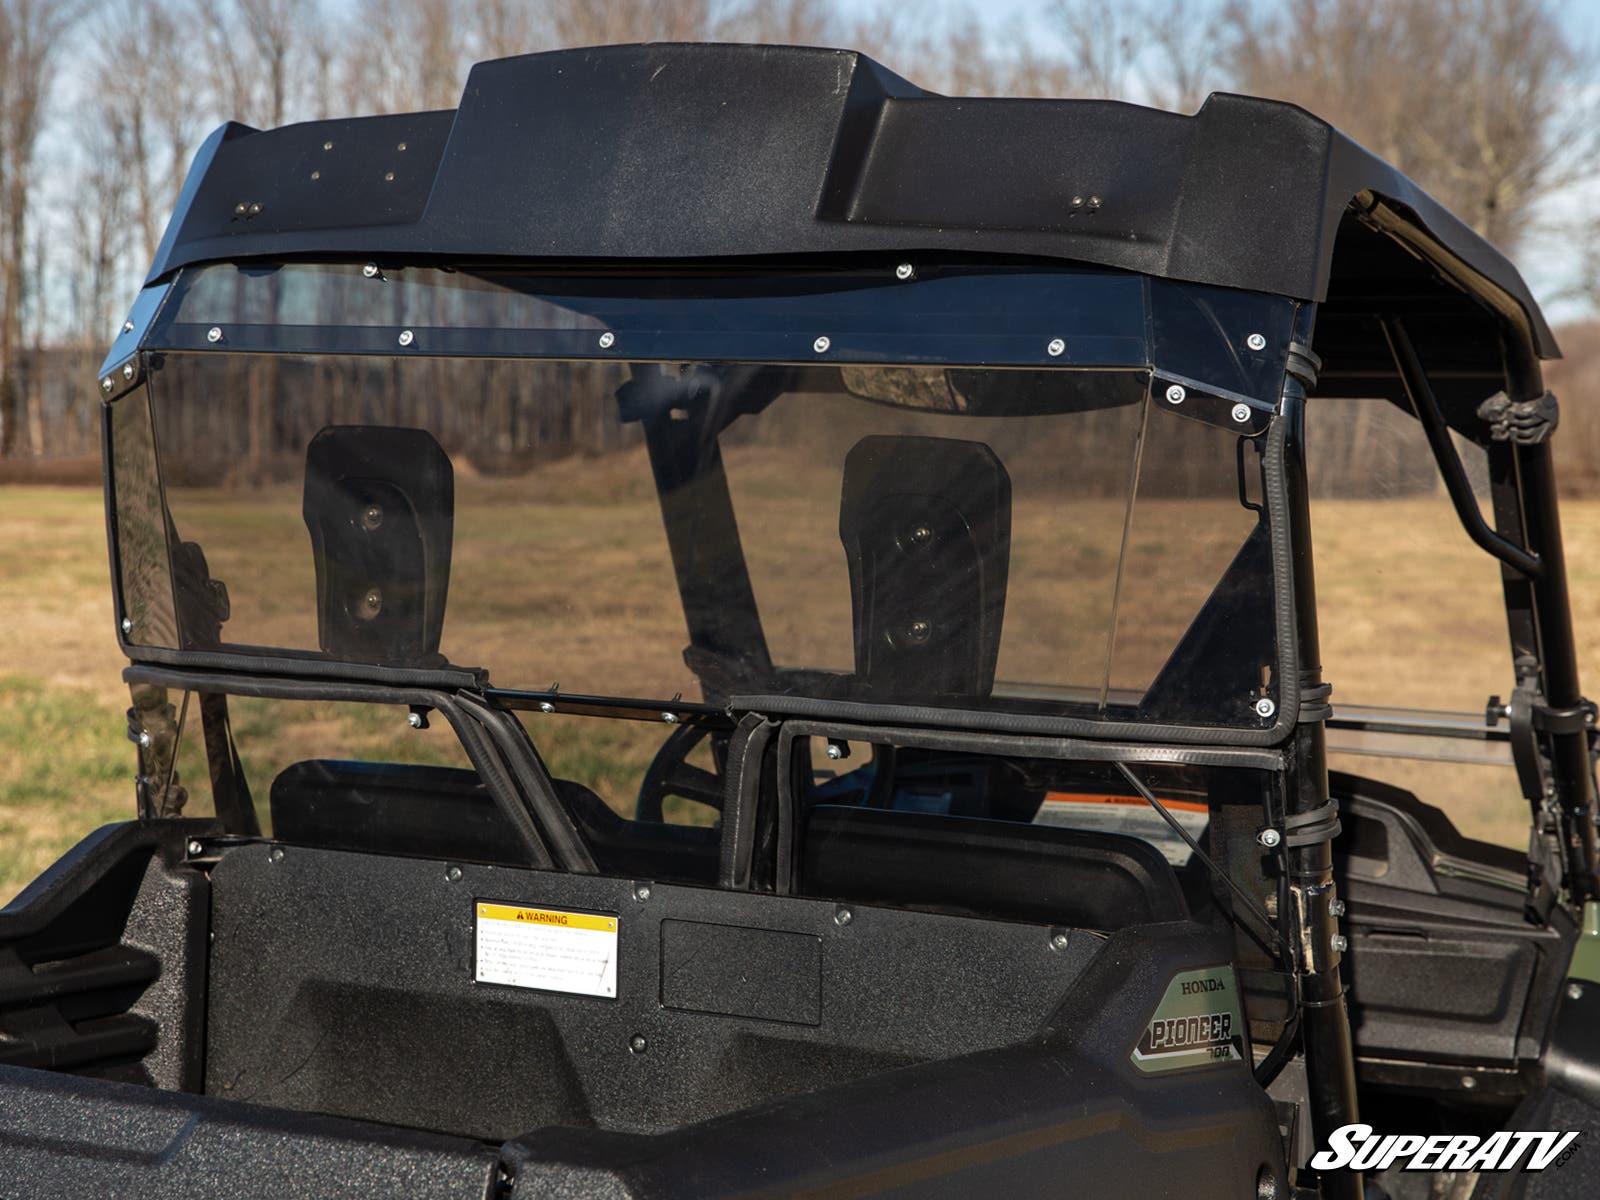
[[1492, 105]]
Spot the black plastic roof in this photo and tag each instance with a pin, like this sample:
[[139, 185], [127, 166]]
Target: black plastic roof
[[680, 151]]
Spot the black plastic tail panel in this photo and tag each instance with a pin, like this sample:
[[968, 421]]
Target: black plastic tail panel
[[99, 960]]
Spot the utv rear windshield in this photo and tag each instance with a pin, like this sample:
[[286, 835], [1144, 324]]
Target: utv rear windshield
[[1030, 492]]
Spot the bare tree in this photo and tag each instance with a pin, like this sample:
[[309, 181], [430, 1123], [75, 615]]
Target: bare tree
[[31, 33], [261, 58], [1486, 103]]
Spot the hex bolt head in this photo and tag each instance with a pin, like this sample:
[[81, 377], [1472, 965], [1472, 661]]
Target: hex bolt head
[[406, 337], [904, 271], [607, 340], [195, 848], [370, 270], [546, 707], [275, 854], [1241, 413], [842, 915], [1176, 394], [127, 327], [453, 874], [214, 334], [1256, 342], [106, 385], [145, 740], [1269, 838], [1056, 348], [127, 624], [1574, 991], [1336, 908], [414, 720], [637, 1044], [1265, 707], [835, 751], [1339, 942], [821, 344], [1058, 941], [670, 718], [642, 893], [127, 372]]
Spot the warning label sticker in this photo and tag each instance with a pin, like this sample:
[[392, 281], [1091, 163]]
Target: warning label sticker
[[546, 949]]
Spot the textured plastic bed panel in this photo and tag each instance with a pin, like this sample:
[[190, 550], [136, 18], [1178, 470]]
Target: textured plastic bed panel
[[345, 983]]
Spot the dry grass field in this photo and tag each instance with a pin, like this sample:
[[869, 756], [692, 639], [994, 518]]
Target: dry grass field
[[569, 581]]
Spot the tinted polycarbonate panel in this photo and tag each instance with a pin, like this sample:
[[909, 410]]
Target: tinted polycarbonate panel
[[143, 561], [893, 534], [985, 314]]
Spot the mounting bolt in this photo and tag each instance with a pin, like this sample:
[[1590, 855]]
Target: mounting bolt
[[1241, 413], [414, 719], [106, 385], [214, 334], [145, 740], [1574, 991], [1339, 942], [607, 340], [821, 344], [275, 854], [1336, 908], [637, 1044], [904, 271], [453, 874], [842, 915], [1176, 394], [836, 750], [1256, 342], [1269, 838], [1469, 1082], [642, 893], [370, 270], [407, 337], [1094, 202], [1058, 941], [670, 718], [546, 707], [127, 624], [1056, 348], [127, 327], [195, 848], [1265, 707], [127, 372]]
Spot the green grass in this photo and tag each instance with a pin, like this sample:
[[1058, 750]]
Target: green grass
[[67, 769]]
